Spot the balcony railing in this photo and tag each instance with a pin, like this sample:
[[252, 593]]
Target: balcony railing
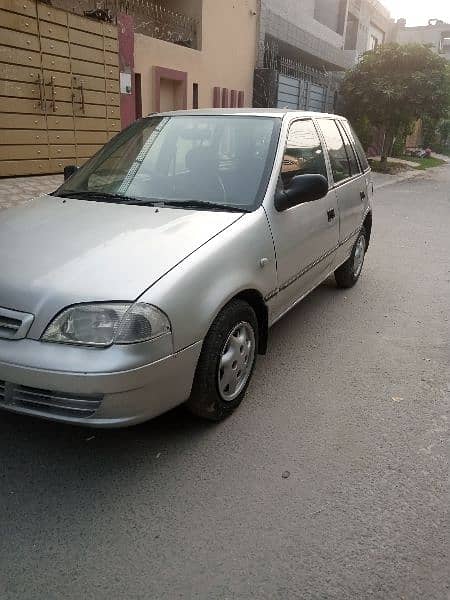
[[161, 22], [155, 19]]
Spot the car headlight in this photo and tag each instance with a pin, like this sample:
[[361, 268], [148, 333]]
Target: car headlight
[[109, 323]]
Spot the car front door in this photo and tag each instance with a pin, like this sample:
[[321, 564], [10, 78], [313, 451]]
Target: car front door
[[305, 236], [349, 182]]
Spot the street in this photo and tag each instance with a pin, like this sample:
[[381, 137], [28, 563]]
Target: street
[[329, 482]]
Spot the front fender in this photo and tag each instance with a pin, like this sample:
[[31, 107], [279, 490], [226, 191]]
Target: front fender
[[193, 293]]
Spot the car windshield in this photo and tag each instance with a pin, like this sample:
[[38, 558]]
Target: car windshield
[[192, 161]]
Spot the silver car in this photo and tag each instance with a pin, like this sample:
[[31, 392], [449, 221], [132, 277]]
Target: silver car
[[151, 277]]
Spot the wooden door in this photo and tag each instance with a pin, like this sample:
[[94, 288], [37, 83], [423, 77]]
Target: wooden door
[[59, 87]]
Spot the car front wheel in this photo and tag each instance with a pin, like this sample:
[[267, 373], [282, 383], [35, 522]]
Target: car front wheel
[[226, 362]]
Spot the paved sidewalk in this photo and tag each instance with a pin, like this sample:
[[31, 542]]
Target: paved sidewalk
[[14, 190], [398, 161], [381, 180]]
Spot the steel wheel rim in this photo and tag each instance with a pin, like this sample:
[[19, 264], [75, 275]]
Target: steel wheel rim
[[236, 361], [358, 260]]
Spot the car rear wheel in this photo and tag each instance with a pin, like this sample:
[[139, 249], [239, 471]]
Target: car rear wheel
[[348, 273], [226, 362]]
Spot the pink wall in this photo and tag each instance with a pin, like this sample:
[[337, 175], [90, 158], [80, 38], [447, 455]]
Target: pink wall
[[126, 64]]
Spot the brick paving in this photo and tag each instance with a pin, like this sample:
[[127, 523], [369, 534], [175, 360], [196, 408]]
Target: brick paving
[[15, 190]]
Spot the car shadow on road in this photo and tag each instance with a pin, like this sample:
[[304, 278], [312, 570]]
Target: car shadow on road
[[50, 472]]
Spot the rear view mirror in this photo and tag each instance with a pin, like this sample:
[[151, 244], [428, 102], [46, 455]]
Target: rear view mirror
[[302, 188], [69, 171]]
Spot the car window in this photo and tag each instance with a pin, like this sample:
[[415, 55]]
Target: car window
[[215, 159], [119, 162], [195, 140], [354, 164], [358, 146], [340, 165], [303, 154]]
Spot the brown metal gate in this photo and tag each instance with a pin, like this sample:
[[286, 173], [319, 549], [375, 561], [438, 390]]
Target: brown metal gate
[[59, 87]]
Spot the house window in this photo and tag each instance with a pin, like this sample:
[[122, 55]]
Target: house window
[[376, 37], [444, 47], [331, 13], [351, 33]]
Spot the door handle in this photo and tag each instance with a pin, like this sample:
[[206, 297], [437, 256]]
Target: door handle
[[362, 195], [82, 96], [331, 214], [41, 85], [51, 83], [80, 89]]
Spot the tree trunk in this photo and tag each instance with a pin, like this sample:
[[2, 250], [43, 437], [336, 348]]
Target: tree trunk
[[388, 143]]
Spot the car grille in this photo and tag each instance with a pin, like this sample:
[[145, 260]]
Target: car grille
[[47, 402], [9, 327], [14, 325]]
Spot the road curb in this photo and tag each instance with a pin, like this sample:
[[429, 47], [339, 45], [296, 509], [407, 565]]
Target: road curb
[[406, 177]]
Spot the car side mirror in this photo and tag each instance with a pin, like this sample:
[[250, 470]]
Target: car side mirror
[[302, 188], [69, 171]]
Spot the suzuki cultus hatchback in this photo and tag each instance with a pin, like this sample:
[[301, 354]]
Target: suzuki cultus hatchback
[[151, 277]]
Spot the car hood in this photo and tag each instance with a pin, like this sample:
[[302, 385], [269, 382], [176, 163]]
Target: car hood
[[55, 252]]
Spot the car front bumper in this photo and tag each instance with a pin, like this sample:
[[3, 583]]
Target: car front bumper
[[88, 387]]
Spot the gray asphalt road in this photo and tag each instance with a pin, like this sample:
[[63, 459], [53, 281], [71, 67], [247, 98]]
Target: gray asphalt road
[[352, 400]]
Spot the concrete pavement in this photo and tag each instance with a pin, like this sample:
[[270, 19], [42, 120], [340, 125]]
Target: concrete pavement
[[352, 401], [15, 190]]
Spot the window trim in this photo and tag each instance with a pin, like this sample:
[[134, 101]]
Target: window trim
[[344, 136], [321, 140], [335, 184], [348, 130]]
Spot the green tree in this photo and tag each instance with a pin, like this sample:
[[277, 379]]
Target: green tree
[[393, 86], [444, 135]]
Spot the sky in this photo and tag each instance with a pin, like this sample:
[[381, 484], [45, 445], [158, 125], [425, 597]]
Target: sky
[[417, 12]]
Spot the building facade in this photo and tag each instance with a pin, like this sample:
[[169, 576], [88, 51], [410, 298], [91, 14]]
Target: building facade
[[305, 46], [59, 87], [215, 70], [436, 35], [74, 72], [369, 24]]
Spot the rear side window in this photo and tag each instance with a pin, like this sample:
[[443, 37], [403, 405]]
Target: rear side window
[[354, 164], [358, 146], [303, 154], [340, 164]]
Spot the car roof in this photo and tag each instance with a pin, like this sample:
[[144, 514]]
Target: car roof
[[256, 112]]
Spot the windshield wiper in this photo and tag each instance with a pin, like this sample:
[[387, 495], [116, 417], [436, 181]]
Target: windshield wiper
[[203, 204], [158, 202], [105, 197]]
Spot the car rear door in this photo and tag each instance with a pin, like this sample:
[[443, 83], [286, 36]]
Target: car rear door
[[349, 181], [305, 236]]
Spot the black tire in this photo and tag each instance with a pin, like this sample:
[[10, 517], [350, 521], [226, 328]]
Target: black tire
[[346, 275], [206, 400]]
